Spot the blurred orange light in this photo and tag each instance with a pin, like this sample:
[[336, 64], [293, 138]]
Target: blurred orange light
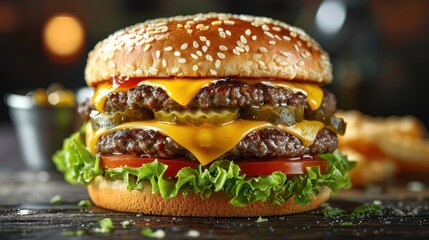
[[63, 35]]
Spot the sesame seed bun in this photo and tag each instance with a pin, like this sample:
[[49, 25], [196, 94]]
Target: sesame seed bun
[[217, 205], [210, 45]]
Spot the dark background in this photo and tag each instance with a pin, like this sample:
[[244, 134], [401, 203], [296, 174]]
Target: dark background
[[380, 53]]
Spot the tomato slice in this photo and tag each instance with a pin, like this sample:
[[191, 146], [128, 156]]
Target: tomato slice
[[174, 165], [130, 82], [250, 167], [285, 165]]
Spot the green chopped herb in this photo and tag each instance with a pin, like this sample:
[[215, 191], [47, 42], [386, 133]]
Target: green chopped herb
[[366, 209], [333, 212], [71, 233], [84, 203], [106, 226], [68, 233], [126, 223], [79, 232], [261, 219], [148, 232], [346, 224], [55, 199]]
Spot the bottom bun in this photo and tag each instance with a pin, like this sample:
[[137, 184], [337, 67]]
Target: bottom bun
[[114, 195]]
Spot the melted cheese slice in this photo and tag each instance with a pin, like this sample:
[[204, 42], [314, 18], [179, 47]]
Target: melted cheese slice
[[209, 142], [184, 90]]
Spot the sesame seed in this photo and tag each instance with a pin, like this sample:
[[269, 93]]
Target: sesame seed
[[160, 24], [223, 48], [299, 43], [174, 70], [260, 62], [235, 51], [296, 47], [229, 22], [217, 22], [208, 57], [199, 53], [293, 34], [301, 63], [177, 54], [283, 63], [254, 37], [179, 25], [161, 37], [284, 53], [153, 70], [195, 44], [217, 63], [228, 32], [240, 44], [168, 49], [189, 31], [158, 53], [263, 49], [277, 29], [164, 29], [187, 26], [221, 55], [239, 49], [208, 43], [248, 32], [243, 39], [295, 66], [205, 28], [222, 34], [182, 60], [149, 40], [184, 46], [195, 67], [213, 72], [304, 55], [269, 34], [190, 22], [272, 42], [194, 56], [265, 27], [286, 38], [164, 63], [205, 48], [199, 26], [220, 29], [278, 37], [203, 39], [146, 47], [247, 48]]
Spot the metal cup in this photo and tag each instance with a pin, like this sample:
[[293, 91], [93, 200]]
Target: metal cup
[[40, 129]]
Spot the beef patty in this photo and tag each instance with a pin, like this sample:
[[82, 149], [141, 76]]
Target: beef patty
[[260, 144], [221, 94]]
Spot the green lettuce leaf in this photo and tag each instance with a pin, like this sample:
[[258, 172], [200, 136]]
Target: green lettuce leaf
[[80, 165], [77, 163]]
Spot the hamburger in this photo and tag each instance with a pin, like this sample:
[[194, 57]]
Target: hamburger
[[208, 115]]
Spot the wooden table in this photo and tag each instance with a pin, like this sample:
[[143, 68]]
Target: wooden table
[[25, 213]]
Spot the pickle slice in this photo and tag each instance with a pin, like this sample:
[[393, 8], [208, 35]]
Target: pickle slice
[[198, 116], [106, 120], [288, 115], [333, 123]]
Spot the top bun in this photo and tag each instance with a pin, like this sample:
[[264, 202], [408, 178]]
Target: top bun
[[210, 45]]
